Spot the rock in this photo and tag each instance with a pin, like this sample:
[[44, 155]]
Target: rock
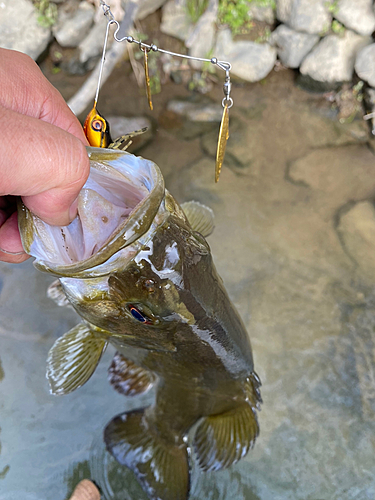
[[175, 20], [196, 111], [365, 64], [147, 7], [332, 60], [192, 117], [91, 46], [250, 61], [311, 16], [291, 45], [357, 231], [20, 30], [341, 173], [264, 13], [121, 125], [358, 16], [201, 40], [74, 29], [283, 10]]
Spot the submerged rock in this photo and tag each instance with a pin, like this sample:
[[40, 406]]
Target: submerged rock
[[121, 125], [357, 15], [20, 29], [250, 61], [292, 46], [365, 64], [357, 232], [332, 60]]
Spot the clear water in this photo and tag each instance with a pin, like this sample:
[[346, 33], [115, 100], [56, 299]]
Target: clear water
[[309, 306]]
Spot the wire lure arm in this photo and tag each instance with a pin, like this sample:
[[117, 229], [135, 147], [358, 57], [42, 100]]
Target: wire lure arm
[[227, 101]]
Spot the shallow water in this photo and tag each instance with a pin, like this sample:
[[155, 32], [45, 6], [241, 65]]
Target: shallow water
[[291, 171]]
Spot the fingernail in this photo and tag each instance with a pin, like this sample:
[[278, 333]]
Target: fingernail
[[73, 210]]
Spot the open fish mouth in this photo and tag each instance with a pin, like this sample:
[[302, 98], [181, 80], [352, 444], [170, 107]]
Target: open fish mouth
[[116, 206]]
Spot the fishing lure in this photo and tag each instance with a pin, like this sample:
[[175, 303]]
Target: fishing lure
[[227, 102]]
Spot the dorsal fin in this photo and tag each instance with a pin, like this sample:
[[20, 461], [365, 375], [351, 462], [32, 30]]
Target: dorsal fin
[[128, 378], [124, 141], [200, 217], [221, 440], [56, 293]]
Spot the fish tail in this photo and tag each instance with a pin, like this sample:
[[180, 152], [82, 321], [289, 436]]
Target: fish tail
[[161, 466]]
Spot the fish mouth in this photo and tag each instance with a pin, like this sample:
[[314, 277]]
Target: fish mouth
[[116, 206]]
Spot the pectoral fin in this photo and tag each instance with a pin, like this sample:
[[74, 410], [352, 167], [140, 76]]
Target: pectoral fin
[[161, 467], [73, 359], [56, 293], [128, 378], [222, 440], [200, 217]]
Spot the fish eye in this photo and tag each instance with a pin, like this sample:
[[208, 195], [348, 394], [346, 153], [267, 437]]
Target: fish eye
[[136, 313], [97, 125]]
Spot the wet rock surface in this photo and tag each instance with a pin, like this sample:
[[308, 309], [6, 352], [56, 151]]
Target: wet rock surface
[[295, 193]]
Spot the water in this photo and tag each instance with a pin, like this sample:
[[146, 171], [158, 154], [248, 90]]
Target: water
[[309, 306]]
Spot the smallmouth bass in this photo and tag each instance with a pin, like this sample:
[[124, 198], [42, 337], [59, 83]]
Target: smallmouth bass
[[137, 269]]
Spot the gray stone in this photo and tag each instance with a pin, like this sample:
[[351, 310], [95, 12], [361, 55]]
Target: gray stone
[[264, 13], [358, 15], [292, 46], [196, 111], [333, 58], [74, 29], [121, 125], [147, 7], [283, 10], [357, 230], [250, 61], [365, 64], [175, 20], [311, 16], [201, 40], [19, 28], [92, 45]]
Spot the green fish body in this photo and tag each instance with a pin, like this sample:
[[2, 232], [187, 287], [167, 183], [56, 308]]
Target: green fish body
[[138, 270]]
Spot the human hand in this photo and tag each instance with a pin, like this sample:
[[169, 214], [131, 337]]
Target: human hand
[[42, 153], [85, 490]]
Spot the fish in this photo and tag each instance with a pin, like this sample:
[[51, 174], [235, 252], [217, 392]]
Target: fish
[[137, 268]]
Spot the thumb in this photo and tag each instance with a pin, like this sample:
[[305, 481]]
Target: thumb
[[48, 168]]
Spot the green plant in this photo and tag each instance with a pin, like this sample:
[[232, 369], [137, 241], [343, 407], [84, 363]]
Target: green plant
[[47, 13], [195, 8], [333, 7], [235, 13], [337, 27]]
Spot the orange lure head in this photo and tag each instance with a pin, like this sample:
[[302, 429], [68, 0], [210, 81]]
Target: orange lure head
[[96, 129]]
